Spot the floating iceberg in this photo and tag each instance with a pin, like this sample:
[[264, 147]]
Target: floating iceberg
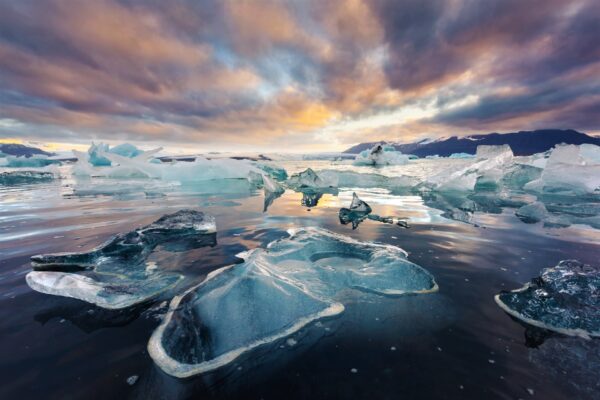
[[35, 161], [381, 155], [351, 179], [274, 293], [532, 213], [360, 210], [116, 275], [488, 168], [97, 153], [272, 190], [309, 179], [564, 299], [18, 177], [356, 213], [570, 169]]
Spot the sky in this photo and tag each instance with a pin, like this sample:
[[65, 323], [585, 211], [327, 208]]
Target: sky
[[294, 76]]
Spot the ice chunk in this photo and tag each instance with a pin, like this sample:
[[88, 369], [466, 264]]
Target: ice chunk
[[532, 213], [351, 179], [487, 170], [17, 177], [564, 299], [272, 190], [357, 212], [274, 293], [115, 275], [35, 161], [97, 153], [274, 171], [381, 155], [570, 169], [309, 179]]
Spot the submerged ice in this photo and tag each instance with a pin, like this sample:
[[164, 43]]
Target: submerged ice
[[563, 299], [274, 293], [116, 275]]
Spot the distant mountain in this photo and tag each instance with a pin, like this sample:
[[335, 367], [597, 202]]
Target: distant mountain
[[522, 143], [21, 150]]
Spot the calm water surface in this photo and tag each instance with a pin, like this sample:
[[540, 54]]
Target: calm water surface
[[453, 344]]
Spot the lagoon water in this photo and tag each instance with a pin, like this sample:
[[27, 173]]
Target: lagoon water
[[455, 344]]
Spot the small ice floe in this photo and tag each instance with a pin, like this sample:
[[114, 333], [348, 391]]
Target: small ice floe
[[563, 299], [275, 292], [116, 275]]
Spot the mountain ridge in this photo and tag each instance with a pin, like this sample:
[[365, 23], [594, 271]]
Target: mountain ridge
[[522, 143]]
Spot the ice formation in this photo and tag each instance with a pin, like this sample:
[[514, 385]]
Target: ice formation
[[274, 293], [360, 210], [116, 275], [17, 177], [35, 161], [351, 179], [309, 179], [531, 213], [563, 299], [356, 213], [570, 169], [97, 153], [487, 170], [272, 190], [381, 155]]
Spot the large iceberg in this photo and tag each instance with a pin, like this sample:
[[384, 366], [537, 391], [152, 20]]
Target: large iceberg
[[570, 169], [116, 275], [381, 155], [274, 293], [563, 299], [35, 161], [97, 153]]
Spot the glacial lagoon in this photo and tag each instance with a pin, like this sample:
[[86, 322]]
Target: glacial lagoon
[[336, 334]]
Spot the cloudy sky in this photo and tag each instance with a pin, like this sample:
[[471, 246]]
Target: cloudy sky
[[294, 75]]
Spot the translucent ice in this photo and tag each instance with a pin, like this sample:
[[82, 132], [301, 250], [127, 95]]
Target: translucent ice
[[531, 213], [351, 179], [97, 153], [35, 161], [570, 169], [116, 275], [487, 170], [309, 179], [563, 299], [381, 155], [356, 213], [17, 177], [274, 293]]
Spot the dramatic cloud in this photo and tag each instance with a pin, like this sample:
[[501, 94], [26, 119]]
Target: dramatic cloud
[[298, 75]]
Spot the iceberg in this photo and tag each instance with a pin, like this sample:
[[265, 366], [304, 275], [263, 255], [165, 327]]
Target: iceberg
[[351, 179], [309, 179], [486, 171], [275, 292], [272, 191], [571, 170], [97, 153], [532, 213], [563, 299], [116, 275], [35, 161], [381, 155], [18, 177]]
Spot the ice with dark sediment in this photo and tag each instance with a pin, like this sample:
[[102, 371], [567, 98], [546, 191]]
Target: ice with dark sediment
[[356, 213], [563, 299], [381, 155], [116, 274], [275, 292]]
